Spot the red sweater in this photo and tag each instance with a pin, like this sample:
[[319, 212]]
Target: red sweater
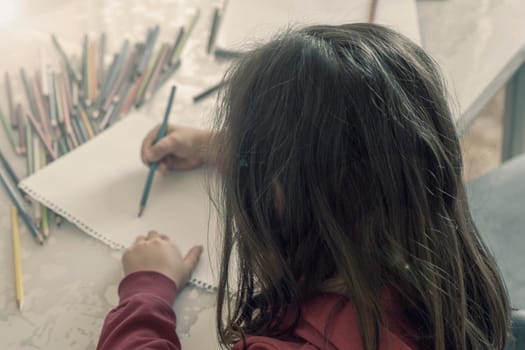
[[144, 319]]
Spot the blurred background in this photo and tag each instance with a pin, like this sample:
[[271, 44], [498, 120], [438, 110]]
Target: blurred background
[[481, 144]]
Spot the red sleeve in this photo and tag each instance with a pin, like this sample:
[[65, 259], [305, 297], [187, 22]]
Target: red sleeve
[[144, 318]]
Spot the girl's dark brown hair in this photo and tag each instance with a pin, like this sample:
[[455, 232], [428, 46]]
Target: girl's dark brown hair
[[341, 165]]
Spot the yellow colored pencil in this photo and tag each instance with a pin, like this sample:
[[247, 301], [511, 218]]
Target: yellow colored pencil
[[45, 221], [19, 279], [87, 123]]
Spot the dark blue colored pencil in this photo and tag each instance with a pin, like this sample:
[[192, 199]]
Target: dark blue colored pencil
[[213, 30], [63, 55], [27, 219], [148, 50], [208, 92], [9, 169], [153, 167], [84, 82]]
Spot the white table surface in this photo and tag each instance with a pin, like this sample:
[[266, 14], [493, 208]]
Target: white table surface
[[71, 282], [479, 45]]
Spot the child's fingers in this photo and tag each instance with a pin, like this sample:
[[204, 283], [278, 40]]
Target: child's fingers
[[163, 168], [176, 163], [148, 142], [159, 150], [152, 234], [140, 238], [192, 258]]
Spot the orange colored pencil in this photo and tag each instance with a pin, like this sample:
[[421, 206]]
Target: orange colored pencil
[[40, 134], [132, 94], [41, 109]]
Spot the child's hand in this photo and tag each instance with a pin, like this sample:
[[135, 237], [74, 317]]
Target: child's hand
[[182, 148], [156, 252]]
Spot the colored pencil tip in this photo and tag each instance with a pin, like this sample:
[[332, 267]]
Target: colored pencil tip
[[20, 304], [40, 239], [141, 210]]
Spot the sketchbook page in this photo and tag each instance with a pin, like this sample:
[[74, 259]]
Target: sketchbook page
[[248, 22], [98, 187]]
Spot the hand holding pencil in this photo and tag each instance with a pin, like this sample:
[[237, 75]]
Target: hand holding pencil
[[183, 148]]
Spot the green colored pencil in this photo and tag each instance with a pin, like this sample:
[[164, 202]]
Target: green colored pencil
[[65, 60], [149, 74], [185, 36], [153, 167], [9, 95]]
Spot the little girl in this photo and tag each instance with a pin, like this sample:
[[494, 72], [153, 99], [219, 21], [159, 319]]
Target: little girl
[[342, 200]]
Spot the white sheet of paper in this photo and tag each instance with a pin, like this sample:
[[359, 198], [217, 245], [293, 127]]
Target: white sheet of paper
[[98, 187], [245, 22]]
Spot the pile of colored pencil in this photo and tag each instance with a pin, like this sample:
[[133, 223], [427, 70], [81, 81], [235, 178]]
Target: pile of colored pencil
[[68, 105]]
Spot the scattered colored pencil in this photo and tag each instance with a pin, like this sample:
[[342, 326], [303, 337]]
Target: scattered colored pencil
[[156, 70], [213, 30], [148, 50], [373, 8], [17, 259], [65, 59], [43, 209], [93, 85], [14, 178], [187, 32], [8, 131], [100, 62], [176, 44], [84, 82], [10, 104], [36, 167], [21, 126], [87, 123], [29, 147], [208, 92], [25, 217], [150, 73], [36, 128], [42, 114]]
